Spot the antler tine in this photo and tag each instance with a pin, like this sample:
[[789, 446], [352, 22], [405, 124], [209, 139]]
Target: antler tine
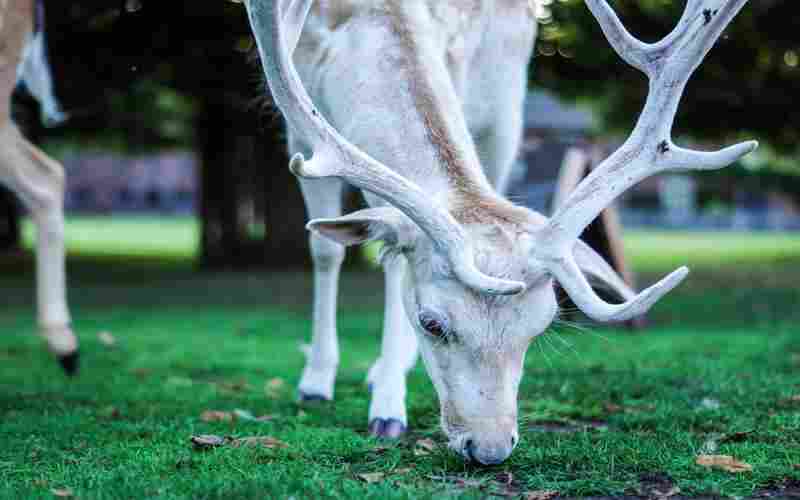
[[648, 151], [629, 48], [277, 26]]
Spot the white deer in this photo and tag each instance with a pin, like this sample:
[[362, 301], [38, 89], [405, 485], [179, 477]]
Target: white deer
[[36, 178], [411, 98]]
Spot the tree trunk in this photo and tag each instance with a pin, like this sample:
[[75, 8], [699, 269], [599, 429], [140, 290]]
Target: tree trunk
[[10, 235], [251, 209]]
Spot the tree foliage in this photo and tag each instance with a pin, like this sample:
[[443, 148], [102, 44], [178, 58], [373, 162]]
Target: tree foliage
[[747, 86]]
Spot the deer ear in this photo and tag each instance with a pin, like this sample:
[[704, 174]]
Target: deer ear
[[386, 224]]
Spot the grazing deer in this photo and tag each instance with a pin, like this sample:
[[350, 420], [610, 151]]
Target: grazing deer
[[36, 178], [418, 103]]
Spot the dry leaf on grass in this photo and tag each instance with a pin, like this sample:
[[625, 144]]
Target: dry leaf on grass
[[505, 478], [736, 437], [424, 447], [208, 441], [709, 404], [62, 492], [263, 441], [235, 386], [273, 387], [246, 415], [724, 462], [110, 412], [371, 477], [540, 495], [216, 416], [663, 495], [142, 372], [107, 339]]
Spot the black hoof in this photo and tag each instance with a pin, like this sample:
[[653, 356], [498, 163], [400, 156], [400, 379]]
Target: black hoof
[[312, 398], [70, 363], [387, 429]]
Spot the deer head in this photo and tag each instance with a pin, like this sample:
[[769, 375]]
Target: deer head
[[479, 290]]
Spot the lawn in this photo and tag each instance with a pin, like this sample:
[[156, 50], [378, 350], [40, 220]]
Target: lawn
[[605, 412]]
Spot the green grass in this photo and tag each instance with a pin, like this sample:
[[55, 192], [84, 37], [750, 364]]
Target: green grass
[[149, 237], [178, 238], [722, 357]]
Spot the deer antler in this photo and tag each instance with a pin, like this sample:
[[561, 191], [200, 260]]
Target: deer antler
[[277, 26], [649, 150]]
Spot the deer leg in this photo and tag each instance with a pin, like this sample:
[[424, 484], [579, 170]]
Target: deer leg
[[387, 411], [39, 182], [323, 199]]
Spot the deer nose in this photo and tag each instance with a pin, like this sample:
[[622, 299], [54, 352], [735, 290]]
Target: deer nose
[[489, 452]]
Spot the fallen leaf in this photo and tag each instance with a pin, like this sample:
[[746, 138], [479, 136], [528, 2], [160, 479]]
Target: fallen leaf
[[371, 477], [141, 372], [273, 387], [62, 492], [613, 408], [504, 478], [424, 447], [404, 470], [736, 437], [246, 415], [263, 441], [216, 416], [208, 441], [659, 495], [237, 386], [107, 339], [711, 445], [709, 404], [110, 412], [470, 483], [275, 383], [540, 495], [796, 466], [724, 462]]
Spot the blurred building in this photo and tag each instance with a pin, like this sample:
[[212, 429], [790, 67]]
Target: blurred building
[[163, 183], [674, 201]]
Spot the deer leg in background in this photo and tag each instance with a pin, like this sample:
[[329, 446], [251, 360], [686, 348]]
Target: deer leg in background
[[323, 198], [39, 182], [387, 377]]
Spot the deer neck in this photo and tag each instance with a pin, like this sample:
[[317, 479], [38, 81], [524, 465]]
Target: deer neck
[[384, 82]]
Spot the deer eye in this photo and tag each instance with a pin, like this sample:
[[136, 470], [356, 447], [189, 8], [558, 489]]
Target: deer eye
[[434, 324]]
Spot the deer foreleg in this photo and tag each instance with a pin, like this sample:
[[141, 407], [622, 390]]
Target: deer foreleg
[[323, 199], [39, 182], [387, 412]]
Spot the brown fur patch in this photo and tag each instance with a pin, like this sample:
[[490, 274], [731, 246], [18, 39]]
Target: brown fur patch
[[450, 155], [335, 12]]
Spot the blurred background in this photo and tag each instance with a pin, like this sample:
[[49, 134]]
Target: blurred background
[[173, 153], [190, 278]]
